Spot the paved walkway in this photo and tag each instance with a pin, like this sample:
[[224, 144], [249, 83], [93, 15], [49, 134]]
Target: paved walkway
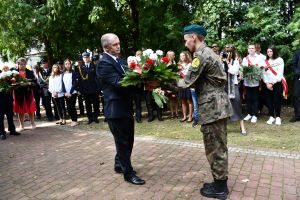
[[68, 163]]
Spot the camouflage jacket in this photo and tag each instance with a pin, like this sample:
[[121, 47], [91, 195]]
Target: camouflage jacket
[[208, 77]]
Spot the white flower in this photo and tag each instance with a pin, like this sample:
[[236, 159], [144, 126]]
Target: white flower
[[131, 59], [6, 74], [147, 52], [14, 72], [153, 56], [159, 52], [138, 58]]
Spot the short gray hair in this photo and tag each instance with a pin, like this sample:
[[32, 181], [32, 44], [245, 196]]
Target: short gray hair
[[106, 39], [21, 60]]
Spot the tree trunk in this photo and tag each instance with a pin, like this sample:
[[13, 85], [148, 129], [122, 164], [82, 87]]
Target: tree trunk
[[135, 19], [290, 8], [49, 51]]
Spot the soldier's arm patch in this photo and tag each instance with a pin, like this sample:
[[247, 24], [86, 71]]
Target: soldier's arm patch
[[196, 63]]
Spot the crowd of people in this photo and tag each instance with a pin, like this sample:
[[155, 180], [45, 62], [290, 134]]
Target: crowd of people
[[60, 86], [213, 82]]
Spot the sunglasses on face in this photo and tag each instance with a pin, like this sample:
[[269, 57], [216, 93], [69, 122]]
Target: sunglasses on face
[[214, 46]]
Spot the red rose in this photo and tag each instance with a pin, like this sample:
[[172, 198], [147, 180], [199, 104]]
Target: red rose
[[165, 59], [150, 61], [132, 65]]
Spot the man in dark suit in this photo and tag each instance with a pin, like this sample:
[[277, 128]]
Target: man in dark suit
[[88, 87], [118, 106], [43, 80], [296, 88]]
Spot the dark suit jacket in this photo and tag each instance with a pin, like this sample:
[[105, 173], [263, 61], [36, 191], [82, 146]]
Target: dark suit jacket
[[74, 83], [89, 86], [117, 99], [296, 69], [45, 75]]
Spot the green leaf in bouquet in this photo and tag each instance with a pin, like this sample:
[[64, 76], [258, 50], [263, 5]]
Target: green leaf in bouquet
[[159, 99]]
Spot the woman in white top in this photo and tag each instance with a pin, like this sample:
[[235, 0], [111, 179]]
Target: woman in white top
[[273, 89], [232, 68], [55, 87], [185, 95], [70, 89]]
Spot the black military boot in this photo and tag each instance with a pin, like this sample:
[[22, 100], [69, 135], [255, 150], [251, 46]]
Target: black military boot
[[206, 185], [218, 189]]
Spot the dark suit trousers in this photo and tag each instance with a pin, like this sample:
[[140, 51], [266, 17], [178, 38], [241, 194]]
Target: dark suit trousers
[[252, 100], [151, 105], [37, 99], [7, 110], [60, 103], [273, 99], [71, 106], [138, 104], [89, 100], [80, 104], [46, 100], [123, 132], [296, 96]]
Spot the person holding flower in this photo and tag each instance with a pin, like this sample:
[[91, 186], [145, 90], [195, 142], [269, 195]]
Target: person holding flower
[[69, 87], [56, 89], [23, 95], [6, 99], [185, 95], [118, 108], [252, 63]]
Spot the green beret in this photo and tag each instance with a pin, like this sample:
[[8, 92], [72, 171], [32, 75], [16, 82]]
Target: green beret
[[195, 28]]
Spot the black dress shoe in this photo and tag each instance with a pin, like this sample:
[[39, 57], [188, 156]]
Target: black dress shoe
[[119, 170], [151, 119], [134, 179], [14, 133], [160, 119], [294, 119], [138, 120], [90, 121], [96, 120], [3, 136]]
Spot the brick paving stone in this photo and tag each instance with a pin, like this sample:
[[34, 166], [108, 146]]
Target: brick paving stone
[[65, 163]]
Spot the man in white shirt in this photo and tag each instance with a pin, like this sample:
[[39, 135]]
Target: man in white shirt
[[252, 86]]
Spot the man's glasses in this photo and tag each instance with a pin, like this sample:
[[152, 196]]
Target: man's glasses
[[214, 46]]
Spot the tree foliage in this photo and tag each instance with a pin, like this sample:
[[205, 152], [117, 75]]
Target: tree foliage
[[67, 27]]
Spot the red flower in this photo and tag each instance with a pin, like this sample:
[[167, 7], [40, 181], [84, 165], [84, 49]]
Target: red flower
[[13, 80], [132, 65], [146, 67], [150, 61], [165, 59]]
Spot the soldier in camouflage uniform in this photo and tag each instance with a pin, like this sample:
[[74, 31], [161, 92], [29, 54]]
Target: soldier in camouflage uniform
[[208, 78]]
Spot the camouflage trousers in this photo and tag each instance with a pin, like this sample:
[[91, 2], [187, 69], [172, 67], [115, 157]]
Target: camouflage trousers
[[215, 142]]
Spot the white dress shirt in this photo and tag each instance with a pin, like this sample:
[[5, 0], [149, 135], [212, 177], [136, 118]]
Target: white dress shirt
[[115, 58], [278, 66], [67, 79], [55, 85]]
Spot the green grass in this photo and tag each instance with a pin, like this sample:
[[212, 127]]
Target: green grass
[[284, 137]]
